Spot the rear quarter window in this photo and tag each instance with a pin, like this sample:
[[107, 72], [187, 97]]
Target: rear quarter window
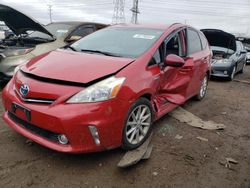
[[204, 42], [193, 41]]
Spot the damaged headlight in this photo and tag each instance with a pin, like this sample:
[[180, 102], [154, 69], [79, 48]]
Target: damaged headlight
[[16, 52], [222, 61], [101, 91]]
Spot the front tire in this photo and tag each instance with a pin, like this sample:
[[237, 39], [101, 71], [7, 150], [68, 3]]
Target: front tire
[[138, 124], [203, 89], [231, 77]]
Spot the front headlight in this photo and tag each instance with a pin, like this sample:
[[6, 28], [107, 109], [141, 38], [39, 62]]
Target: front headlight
[[222, 61], [248, 55], [16, 52], [101, 91]]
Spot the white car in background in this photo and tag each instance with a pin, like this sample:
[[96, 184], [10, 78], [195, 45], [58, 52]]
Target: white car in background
[[31, 39]]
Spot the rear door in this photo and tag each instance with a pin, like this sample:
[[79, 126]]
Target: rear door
[[198, 60], [176, 81]]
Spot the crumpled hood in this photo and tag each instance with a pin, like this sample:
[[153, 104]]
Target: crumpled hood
[[18, 22], [77, 67], [220, 38]]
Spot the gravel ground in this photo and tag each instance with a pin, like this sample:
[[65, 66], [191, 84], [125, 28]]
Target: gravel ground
[[186, 162]]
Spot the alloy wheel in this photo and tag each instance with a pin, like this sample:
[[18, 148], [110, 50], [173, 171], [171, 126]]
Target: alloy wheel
[[138, 124], [203, 87]]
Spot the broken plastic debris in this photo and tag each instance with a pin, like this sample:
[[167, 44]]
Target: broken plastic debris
[[202, 139], [187, 117], [178, 137], [231, 160], [132, 157]]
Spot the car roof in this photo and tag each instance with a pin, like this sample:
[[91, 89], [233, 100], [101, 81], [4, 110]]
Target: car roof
[[77, 23], [151, 26]]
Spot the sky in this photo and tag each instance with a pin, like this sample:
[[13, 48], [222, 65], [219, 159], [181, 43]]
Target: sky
[[229, 15]]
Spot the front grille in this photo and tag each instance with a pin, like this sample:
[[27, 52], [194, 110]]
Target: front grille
[[34, 129], [34, 100]]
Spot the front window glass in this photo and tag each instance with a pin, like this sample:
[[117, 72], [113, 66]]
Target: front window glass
[[175, 45], [124, 42]]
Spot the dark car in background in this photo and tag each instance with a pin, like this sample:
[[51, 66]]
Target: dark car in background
[[32, 39], [246, 43], [229, 55]]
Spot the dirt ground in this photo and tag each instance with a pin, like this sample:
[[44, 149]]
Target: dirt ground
[[186, 162]]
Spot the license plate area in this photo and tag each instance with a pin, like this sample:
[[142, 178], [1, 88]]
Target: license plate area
[[16, 107]]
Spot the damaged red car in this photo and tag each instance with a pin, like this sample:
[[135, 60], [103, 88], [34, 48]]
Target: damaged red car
[[106, 90]]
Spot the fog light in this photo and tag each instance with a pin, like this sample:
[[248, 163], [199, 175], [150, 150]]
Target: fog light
[[225, 72], [94, 133], [63, 139]]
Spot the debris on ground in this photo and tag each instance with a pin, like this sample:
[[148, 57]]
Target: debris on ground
[[29, 142], [178, 137], [223, 113], [187, 117], [227, 163], [155, 173], [202, 139], [132, 157], [188, 157], [165, 129], [231, 160], [242, 81]]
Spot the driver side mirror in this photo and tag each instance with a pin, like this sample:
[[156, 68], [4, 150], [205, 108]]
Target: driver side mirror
[[73, 38], [174, 61]]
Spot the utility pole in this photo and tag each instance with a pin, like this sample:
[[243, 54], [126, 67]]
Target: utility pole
[[135, 12], [118, 14], [50, 12]]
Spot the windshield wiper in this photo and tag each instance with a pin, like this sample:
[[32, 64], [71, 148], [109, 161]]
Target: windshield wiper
[[101, 52]]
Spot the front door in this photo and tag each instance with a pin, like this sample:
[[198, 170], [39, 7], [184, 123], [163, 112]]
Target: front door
[[176, 81]]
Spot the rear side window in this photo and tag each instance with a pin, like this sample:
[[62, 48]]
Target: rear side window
[[203, 41], [194, 42], [82, 31]]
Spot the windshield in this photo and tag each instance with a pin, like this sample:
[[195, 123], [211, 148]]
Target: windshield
[[123, 42], [56, 29]]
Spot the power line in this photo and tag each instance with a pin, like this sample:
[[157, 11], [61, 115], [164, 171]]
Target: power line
[[135, 12], [50, 12], [118, 14]]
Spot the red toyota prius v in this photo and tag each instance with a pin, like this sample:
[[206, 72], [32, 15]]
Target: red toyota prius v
[[106, 90]]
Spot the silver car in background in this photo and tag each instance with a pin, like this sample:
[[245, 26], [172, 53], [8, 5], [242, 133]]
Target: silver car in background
[[32, 39]]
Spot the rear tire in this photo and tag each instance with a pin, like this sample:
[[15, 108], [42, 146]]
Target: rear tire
[[243, 68], [138, 124], [203, 89]]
